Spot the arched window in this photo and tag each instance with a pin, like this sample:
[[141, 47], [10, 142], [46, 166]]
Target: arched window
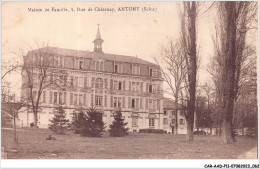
[[99, 83]]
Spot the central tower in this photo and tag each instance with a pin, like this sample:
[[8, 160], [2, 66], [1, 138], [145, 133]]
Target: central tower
[[98, 42]]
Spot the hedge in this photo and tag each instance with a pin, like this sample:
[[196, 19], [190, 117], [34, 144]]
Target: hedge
[[159, 131]]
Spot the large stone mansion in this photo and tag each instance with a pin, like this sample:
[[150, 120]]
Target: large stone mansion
[[108, 82]]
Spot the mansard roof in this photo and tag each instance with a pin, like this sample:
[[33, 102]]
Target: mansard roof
[[88, 54], [169, 104]]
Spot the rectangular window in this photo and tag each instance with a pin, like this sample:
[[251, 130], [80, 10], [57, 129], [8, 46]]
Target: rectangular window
[[85, 81], [173, 121], [65, 98], [129, 102], [135, 121], [133, 86], [44, 97], [50, 101], [98, 101], [151, 122], [60, 98], [65, 80], [154, 88], [71, 98], [76, 81], [75, 99], [101, 66], [123, 85], [81, 82], [154, 104], [97, 66], [116, 68], [150, 90], [141, 87], [150, 104], [80, 99], [111, 101], [80, 64], [173, 113], [61, 61], [119, 102], [137, 103], [141, 103], [137, 86], [133, 103], [115, 101], [84, 99], [55, 98], [123, 104], [150, 72], [130, 87], [181, 121], [136, 69], [119, 85], [71, 81], [164, 112], [165, 121], [115, 85]]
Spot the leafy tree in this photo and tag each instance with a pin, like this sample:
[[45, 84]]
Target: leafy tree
[[59, 123], [117, 128], [94, 125]]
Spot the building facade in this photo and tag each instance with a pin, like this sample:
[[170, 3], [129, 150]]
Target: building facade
[[174, 117], [108, 82]]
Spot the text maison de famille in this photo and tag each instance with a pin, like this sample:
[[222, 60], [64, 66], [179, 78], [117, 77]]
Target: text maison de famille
[[91, 9]]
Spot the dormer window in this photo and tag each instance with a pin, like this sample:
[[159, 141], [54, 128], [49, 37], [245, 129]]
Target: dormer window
[[99, 65], [136, 69], [116, 68], [150, 72], [80, 64]]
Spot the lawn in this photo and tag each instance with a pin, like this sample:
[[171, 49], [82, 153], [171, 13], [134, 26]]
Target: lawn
[[32, 144]]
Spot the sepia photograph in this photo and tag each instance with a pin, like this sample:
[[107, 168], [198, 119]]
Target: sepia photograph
[[130, 80]]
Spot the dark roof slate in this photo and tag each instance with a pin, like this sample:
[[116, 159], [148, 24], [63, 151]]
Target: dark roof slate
[[88, 54], [170, 104]]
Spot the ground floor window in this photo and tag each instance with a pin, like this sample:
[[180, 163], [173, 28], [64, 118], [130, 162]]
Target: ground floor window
[[151, 122], [165, 121], [181, 122], [98, 100], [135, 121]]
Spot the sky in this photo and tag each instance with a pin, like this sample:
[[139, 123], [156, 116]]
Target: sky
[[132, 33]]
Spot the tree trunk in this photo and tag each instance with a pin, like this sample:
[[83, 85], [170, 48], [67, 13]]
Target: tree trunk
[[35, 120], [227, 132], [192, 72], [15, 136], [228, 74], [176, 114], [189, 135]]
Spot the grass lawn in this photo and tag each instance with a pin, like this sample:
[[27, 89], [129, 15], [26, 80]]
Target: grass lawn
[[32, 144]]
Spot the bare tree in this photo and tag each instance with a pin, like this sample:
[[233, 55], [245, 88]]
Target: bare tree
[[38, 74], [171, 59], [189, 44], [233, 24], [11, 105]]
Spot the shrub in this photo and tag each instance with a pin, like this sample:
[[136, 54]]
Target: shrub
[[59, 124], [159, 131], [94, 126], [117, 128], [78, 122]]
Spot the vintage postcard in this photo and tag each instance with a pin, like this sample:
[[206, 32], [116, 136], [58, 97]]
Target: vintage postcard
[[130, 80]]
